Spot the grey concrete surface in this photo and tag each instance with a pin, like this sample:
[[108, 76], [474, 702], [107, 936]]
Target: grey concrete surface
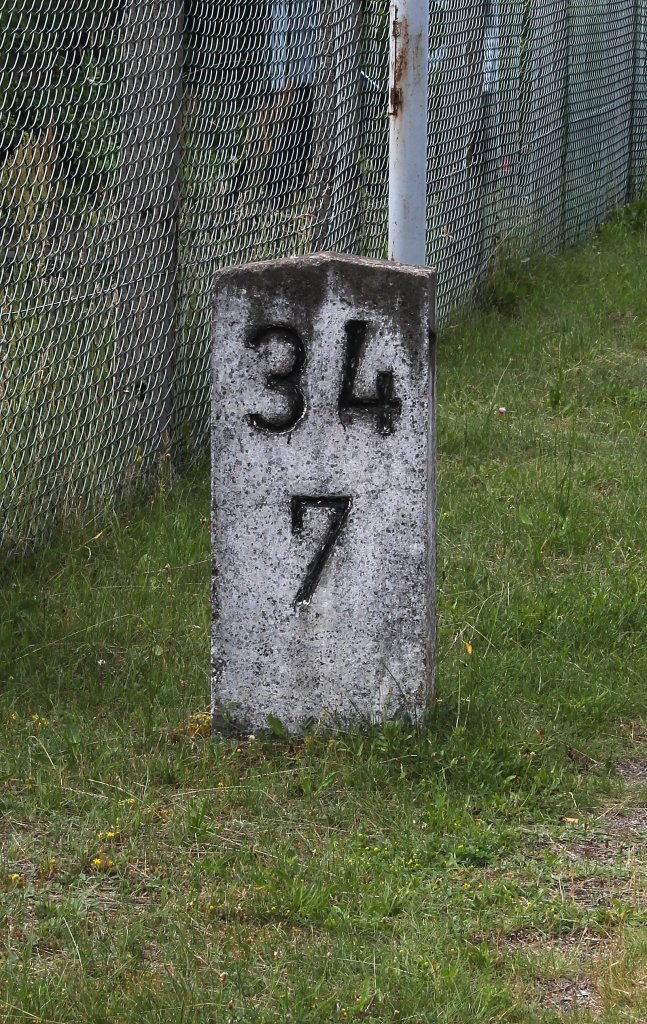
[[323, 498]]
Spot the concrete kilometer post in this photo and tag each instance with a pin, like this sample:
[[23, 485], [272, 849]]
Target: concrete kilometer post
[[323, 493]]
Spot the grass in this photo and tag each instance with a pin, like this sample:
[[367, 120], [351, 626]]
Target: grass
[[490, 867]]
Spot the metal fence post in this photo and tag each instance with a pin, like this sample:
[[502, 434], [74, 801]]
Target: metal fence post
[[408, 75]]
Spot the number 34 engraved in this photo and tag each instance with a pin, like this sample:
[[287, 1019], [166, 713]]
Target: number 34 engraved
[[384, 406]]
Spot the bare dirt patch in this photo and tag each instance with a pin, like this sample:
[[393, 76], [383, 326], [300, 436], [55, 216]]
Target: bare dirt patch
[[619, 835], [625, 822], [618, 828], [576, 994], [568, 995], [634, 769], [598, 891], [584, 946], [602, 851]]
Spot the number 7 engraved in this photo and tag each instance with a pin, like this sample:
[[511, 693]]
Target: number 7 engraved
[[339, 506]]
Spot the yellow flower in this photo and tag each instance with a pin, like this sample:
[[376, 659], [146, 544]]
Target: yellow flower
[[199, 724], [468, 647], [102, 862]]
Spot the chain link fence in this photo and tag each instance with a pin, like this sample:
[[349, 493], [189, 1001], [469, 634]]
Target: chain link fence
[[145, 143]]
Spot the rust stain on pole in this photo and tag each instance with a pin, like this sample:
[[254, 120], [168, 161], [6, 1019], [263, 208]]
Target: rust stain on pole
[[400, 63]]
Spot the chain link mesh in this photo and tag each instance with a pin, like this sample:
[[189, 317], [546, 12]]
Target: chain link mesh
[[144, 144]]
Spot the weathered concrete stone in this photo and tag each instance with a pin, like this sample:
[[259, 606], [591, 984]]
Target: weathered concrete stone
[[322, 492]]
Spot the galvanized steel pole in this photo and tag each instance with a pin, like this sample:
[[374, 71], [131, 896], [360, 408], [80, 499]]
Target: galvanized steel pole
[[408, 71]]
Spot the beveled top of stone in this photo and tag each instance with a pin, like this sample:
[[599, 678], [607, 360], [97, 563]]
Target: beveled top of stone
[[322, 259], [306, 280]]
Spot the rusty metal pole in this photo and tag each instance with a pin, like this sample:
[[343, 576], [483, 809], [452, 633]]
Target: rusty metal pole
[[408, 64]]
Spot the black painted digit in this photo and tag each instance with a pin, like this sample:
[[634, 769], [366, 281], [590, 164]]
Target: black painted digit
[[385, 406], [339, 506], [285, 382]]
